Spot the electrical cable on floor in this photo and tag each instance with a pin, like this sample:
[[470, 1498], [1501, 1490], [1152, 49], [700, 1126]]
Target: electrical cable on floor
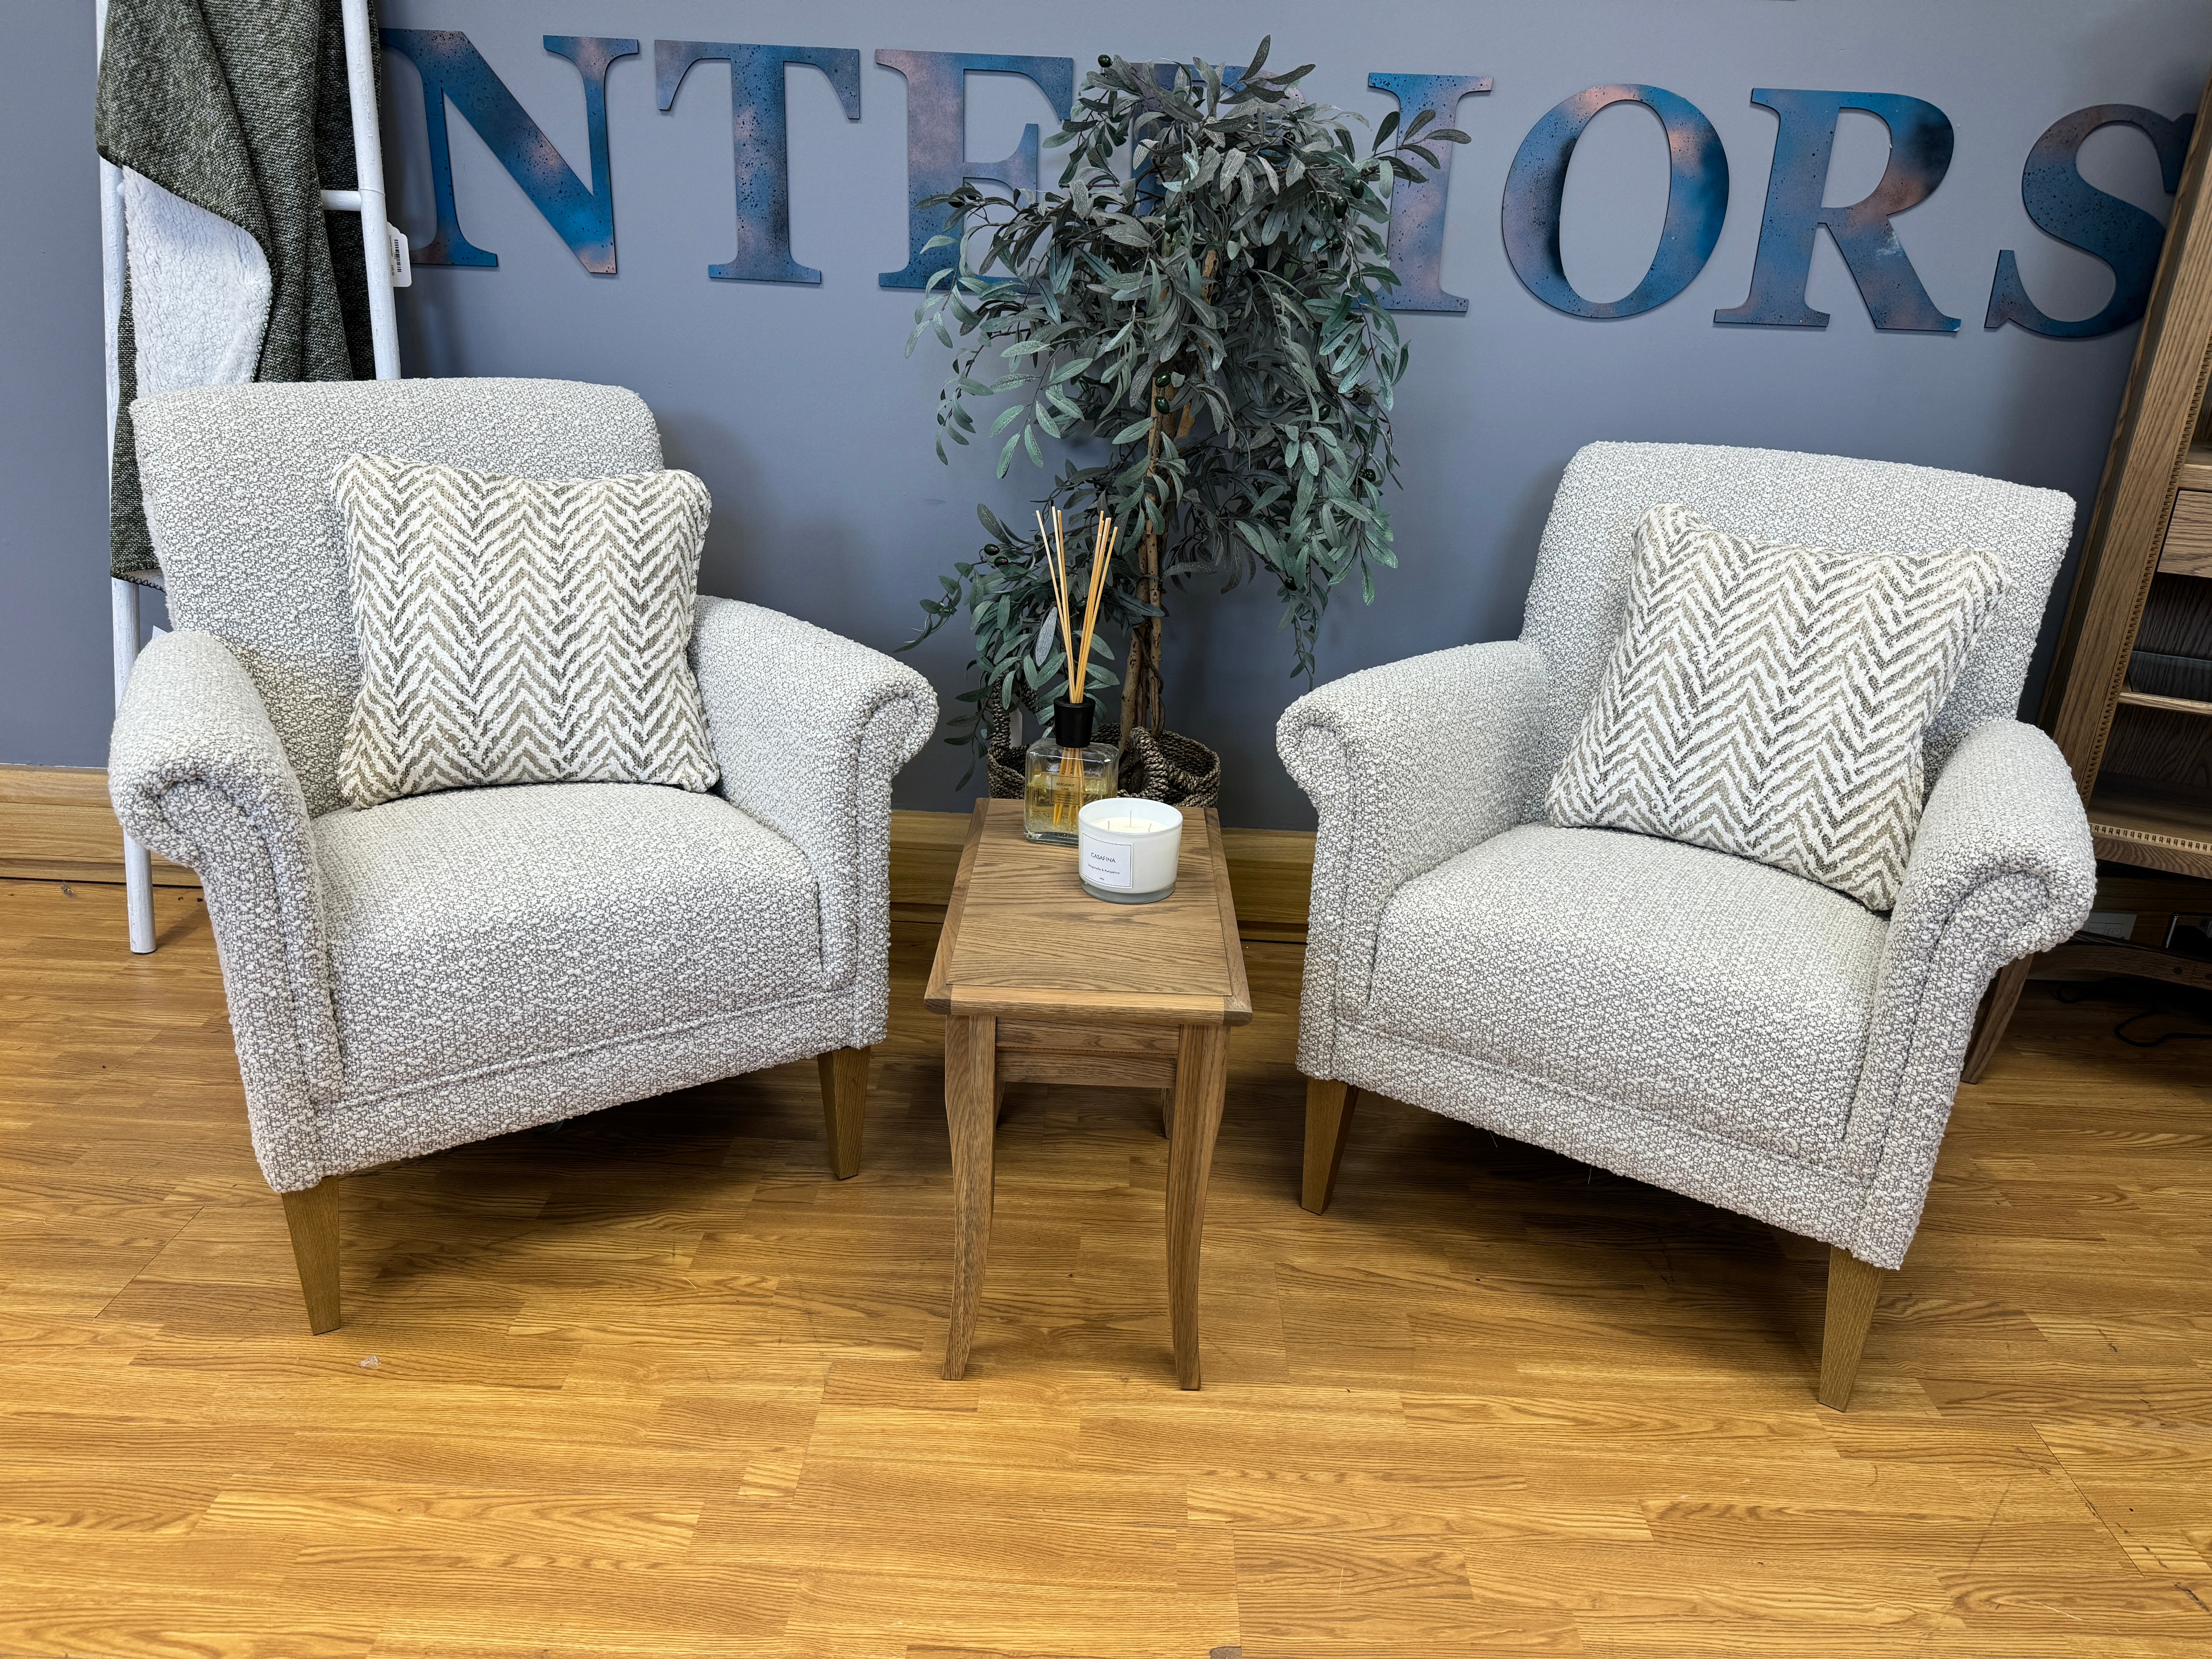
[[2120, 1030]]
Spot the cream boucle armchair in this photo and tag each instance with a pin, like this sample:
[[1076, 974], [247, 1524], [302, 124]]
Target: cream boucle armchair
[[439, 969], [1668, 1012]]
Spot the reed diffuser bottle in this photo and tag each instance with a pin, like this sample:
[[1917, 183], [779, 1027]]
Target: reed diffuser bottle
[[1065, 773]]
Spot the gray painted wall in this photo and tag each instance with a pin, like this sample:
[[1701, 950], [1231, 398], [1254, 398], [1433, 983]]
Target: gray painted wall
[[55, 695], [796, 406]]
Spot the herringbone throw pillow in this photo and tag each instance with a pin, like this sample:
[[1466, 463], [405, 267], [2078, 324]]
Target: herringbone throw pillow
[[520, 631], [1770, 700]]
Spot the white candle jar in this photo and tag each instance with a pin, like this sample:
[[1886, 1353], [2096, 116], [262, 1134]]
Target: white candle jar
[[1128, 849]]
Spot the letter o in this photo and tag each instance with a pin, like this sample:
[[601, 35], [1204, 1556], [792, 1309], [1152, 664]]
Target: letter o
[[1697, 200]]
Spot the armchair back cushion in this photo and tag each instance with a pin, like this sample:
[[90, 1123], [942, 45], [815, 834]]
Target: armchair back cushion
[[1579, 598], [237, 484]]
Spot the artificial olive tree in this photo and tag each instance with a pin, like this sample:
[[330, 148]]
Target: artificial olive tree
[[1199, 293]]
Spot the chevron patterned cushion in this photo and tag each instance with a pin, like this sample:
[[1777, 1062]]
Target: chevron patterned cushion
[[1769, 701], [520, 631]]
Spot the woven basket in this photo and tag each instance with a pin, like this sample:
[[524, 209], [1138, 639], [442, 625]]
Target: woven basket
[[1170, 766]]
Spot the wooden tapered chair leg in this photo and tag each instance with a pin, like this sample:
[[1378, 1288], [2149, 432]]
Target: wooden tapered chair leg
[[844, 1107], [1996, 1015], [1852, 1288], [1328, 1123], [313, 1218]]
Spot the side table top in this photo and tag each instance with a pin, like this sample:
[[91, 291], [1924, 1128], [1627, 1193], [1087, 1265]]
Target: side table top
[[1022, 938]]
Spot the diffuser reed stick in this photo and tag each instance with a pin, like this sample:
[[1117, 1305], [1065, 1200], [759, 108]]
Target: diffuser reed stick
[[1101, 557], [1059, 586], [1067, 797]]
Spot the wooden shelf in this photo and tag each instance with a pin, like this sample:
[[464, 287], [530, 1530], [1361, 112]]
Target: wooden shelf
[[2135, 699], [2196, 469], [2141, 823], [2187, 549], [2124, 887], [2087, 956]]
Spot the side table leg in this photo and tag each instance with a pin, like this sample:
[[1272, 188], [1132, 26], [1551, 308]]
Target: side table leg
[[1201, 1079], [970, 1115]]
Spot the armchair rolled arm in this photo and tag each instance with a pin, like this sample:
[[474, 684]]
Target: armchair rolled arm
[[2001, 866], [196, 772], [810, 728], [1407, 765], [192, 717], [2004, 813]]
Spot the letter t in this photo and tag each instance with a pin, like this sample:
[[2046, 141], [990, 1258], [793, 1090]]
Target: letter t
[[760, 141]]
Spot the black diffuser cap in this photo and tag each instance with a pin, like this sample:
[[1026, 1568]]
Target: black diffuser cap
[[1071, 722]]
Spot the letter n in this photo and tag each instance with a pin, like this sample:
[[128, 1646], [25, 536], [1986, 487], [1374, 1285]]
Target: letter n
[[454, 70]]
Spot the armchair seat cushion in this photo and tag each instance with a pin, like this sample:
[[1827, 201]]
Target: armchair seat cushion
[[1661, 977], [483, 929]]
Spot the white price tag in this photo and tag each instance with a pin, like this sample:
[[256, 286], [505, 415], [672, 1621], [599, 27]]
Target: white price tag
[[403, 269], [1109, 864]]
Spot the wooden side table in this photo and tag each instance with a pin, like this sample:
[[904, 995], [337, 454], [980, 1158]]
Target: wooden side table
[[1041, 982]]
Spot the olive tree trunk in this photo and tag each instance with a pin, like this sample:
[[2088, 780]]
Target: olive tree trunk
[[1140, 680]]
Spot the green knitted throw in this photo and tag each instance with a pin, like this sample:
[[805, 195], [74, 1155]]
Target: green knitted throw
[[240, 107]]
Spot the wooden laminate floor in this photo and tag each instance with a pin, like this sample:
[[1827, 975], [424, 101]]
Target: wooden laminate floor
[[655, 1384]]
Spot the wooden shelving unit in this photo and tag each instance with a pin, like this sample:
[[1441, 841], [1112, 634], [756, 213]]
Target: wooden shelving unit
[[2134, 684], [2129, 699]]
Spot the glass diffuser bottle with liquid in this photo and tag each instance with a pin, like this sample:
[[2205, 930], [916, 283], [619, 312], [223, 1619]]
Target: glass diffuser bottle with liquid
[[1064, 773]]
